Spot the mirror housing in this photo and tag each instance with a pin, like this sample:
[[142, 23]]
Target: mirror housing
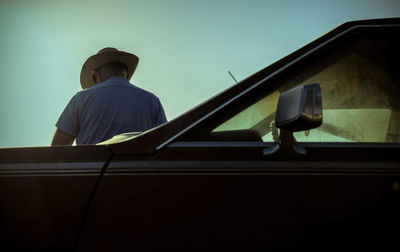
[[300, 108]]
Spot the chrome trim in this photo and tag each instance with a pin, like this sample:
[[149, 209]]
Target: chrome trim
[[239, 167], [53, 167], [226, 144]]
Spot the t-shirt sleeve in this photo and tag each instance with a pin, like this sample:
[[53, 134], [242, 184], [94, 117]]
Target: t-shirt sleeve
[[69, 121], [161, 118]]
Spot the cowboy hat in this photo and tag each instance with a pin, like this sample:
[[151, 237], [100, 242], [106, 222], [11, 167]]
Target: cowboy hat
[[104, 56]]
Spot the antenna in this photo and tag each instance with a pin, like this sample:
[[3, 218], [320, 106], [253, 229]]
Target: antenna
[[232, 76]]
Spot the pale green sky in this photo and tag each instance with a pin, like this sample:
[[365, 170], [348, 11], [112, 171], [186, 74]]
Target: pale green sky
[[185, 48]]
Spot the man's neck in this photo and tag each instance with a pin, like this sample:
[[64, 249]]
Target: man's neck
[[114, 76]]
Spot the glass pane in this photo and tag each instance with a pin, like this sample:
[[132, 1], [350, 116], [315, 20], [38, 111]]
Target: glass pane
[[360, 99], [258, 117], [359, 81], [350, 125]]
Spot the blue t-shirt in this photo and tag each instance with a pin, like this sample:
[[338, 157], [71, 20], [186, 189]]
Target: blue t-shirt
[[110, 108]]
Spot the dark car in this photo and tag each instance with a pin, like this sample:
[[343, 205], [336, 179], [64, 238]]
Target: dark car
[[230, 173]]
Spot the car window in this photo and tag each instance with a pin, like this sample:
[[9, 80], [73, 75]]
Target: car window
[[258, 117], [360, 94], [361, 99]]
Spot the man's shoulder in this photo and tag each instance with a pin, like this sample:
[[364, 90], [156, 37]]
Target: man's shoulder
[[145, 92], [80, 95], [122, 87]]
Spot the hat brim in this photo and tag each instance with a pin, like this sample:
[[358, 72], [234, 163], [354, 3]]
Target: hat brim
[[95, 61]]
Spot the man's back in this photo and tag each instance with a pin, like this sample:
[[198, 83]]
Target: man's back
[[110, 108]]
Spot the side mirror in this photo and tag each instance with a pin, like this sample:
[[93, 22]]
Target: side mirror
[[300, 108]]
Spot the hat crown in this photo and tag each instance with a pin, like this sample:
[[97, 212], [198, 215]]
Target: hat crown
[[107, 49], [104, 56]]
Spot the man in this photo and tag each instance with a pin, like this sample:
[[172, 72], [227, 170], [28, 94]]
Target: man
[[108, 104]]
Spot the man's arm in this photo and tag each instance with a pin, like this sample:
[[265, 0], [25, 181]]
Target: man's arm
[[161, 118], [62, 138]]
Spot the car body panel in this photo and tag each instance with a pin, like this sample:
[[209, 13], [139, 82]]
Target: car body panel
[[44, 193], [242, 210], [202, 195]]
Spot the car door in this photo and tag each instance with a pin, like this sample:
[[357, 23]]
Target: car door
[[44, 192], [216, 185]]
